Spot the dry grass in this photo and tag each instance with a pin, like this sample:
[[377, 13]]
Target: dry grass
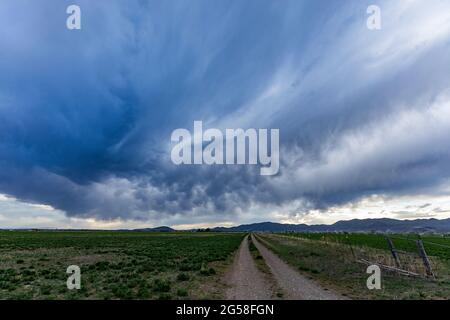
[[335, 266]]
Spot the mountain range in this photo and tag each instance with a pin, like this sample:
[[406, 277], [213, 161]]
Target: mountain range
[[356, 225]]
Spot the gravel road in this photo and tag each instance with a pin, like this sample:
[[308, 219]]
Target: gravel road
[[245, 280], [295, 286]]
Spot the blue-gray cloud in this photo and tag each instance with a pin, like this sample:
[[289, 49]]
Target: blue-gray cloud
[[86, 116]]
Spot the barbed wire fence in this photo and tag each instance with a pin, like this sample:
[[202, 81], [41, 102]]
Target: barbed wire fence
[[409, 255], [415, 261]]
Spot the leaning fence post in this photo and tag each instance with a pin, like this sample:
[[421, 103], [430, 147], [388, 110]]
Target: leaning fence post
[[423, 255], [394, 252]]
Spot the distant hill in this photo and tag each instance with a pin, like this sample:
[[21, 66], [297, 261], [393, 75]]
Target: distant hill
[[356, 225], [157, 229]]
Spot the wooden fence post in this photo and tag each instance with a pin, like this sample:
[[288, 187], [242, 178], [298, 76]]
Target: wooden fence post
[[350, 245], [394, 252], [423, 255]]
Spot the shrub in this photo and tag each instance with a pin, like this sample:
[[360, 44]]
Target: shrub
[[182, 293], [183, 277], [160, 285], [207, 272]]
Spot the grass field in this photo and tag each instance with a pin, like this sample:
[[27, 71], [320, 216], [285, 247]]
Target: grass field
[[143, 265], [435, 245], [114, 265], [329, 259]]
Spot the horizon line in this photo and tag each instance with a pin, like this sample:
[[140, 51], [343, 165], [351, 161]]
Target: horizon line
[[215, 227]]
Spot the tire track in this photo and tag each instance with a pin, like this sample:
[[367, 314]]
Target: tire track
[[295, 286], [245, 280]]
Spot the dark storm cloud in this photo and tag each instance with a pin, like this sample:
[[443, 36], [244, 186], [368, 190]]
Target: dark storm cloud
[[86, 115]]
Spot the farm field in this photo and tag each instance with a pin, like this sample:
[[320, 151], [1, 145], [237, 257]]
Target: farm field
[[177, 265], [332, 260], [114, 265], [435, 245]]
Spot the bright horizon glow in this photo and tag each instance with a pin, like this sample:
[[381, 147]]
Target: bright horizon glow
[[36, 216]]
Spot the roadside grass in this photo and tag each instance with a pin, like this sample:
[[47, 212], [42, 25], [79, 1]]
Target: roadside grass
[[264, 268], [435, 245], [335, 267], [259, 260], [114, 265]]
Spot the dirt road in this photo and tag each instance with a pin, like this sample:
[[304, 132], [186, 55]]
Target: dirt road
[[295, 286], [245, 280]]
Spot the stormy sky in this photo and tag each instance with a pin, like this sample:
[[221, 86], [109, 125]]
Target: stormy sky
[[86, 115]]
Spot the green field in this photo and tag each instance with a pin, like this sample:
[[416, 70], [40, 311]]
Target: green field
[[114, 265], [435, 245], [335, 261]]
